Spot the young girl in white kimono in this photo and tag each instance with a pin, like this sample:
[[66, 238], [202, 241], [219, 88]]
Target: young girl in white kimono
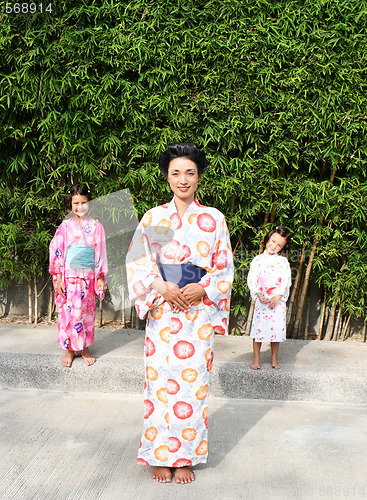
[[269, 281], [180, 271]]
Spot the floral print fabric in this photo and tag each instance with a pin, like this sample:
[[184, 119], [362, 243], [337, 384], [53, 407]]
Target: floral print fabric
[[77, 309], [179, 346], [270, 275]]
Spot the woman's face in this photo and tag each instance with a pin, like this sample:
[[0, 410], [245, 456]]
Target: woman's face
[[183, 178]]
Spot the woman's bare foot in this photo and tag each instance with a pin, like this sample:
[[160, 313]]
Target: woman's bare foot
[[276, 365], [184, 475], [68, 358], [255, 366], [89, 360], [162, 474]]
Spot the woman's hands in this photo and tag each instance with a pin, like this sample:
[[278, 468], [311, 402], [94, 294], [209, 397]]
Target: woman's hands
[[193, 292], [179, 299]]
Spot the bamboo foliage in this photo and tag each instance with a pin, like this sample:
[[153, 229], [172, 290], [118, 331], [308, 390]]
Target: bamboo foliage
[[275, 91]]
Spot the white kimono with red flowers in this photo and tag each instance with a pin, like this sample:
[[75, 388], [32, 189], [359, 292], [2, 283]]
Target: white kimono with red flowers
[[179, 346], [270, 275]]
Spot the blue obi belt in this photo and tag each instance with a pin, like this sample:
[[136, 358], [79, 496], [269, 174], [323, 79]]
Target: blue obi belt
[[181, 274], [78, 256]]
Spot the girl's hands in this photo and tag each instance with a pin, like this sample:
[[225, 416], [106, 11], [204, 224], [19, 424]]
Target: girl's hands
[[172, 294], [274, 301], [60, 285], [262, 298], [101, 284]]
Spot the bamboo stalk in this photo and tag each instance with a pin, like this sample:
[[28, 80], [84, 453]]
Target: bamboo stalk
[[249, 318], [307, 323], [294, 294], [336, 326], [123, 315], [100, 313], [346, 327], [51, 303], [330, 324], [297, 323], [322, 317], [306, 280], [30, 305], [35, 300], [132, 311]]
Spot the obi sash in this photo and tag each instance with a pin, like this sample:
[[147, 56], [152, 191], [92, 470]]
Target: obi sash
[[78, 256], [181, 274]]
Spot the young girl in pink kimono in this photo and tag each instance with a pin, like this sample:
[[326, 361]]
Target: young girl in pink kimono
[[78, 263], [269, 281]]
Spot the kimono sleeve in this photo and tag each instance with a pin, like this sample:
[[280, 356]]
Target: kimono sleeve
[[253, 276], [286, 279], [217, 282], [57, 261], [141, 272], [57, 252], [101, 267]]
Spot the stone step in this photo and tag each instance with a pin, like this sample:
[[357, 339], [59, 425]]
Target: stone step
[[330, 372]]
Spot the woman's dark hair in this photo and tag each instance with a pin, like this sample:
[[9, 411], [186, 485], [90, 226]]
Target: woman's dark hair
[[81, 189], [283, 231], [183, 150]]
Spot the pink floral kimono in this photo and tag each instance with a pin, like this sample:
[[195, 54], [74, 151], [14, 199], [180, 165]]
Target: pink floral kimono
[[179, 347], [78, 253]]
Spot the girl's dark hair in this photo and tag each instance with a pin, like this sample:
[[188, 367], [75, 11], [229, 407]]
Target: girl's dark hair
[[283, 231], [183, 150], [76, 189]]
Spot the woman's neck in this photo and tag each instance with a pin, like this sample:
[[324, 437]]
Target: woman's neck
[[182, 205]]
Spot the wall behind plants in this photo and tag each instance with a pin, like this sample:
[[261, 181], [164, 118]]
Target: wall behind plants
[[275, 91]]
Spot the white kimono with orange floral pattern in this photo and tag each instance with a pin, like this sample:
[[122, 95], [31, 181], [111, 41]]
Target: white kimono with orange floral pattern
[[179, 346]]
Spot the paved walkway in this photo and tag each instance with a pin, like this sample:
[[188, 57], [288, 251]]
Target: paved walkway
[[80, 441]]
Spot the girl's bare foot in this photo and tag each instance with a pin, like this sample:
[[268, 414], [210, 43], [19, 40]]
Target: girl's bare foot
[[276, 365], [256, 362], [184, 475], [68, 358], [89, 360], [162, 474]]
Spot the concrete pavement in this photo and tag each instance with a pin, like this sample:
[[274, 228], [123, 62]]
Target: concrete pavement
[[80, 446], [73, 433]]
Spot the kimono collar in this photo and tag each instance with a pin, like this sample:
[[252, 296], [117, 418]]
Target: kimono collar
[[83, 224], [268, 256], [190, 209]]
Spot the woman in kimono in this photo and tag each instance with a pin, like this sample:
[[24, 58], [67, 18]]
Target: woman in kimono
[[78, 263], [269, 281], [180, 272]]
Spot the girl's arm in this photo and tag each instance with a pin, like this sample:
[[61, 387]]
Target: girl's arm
[[252, 279], [60, 285], [101, 267], [57, 264], [286, 281]]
